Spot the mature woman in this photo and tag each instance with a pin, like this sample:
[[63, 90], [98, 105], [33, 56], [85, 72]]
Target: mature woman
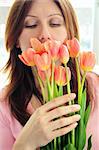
[[24, 122]]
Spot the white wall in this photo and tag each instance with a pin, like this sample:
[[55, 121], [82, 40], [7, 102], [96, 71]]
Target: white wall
[[96, 30]]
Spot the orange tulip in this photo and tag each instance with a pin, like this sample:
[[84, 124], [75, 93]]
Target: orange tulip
[[87, 61], [36, 45], [53, 47], [60, 75], [63, 54], [73, 47], [42, 61], [27, 57]]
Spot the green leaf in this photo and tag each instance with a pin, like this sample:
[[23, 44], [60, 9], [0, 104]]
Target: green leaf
[[87, 114], [77, 137], [82, 135], [70, 147], [89, 143]]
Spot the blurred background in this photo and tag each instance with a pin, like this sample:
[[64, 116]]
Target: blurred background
[[88, 17]]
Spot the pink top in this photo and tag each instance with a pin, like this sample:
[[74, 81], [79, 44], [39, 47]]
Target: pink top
[[10, 127]]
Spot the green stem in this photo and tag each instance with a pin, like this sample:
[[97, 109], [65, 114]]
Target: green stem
[[68, 83], [60, 90], [81, 89], [78, 73], [83, 80], [55, 145], [49, 88], [69, 91], [40, 83], [52, 79], [42, 88]]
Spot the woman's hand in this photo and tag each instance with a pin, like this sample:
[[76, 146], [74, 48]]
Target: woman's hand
[[42, 127]]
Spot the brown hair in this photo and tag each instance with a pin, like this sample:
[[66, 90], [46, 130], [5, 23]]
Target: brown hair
[[22, 85]]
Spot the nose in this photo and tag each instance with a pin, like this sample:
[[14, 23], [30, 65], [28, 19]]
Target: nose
[[44, 34]]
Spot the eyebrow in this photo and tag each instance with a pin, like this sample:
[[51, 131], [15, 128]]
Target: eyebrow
[[47, 16]]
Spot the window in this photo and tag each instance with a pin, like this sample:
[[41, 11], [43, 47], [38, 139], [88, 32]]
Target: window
[[84, 10], [88, 17]]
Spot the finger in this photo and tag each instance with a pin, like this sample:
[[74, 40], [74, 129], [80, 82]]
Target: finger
[[63, 131], [62, 110], [64, 121], [58, 101]]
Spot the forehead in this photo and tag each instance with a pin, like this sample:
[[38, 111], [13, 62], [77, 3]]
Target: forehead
[[44, 8]]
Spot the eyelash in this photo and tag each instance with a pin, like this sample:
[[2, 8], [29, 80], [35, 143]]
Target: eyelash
[[31, 26], [34, 26], [54, 25]]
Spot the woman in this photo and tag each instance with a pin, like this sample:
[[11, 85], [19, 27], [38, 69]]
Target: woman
[[24, 122]]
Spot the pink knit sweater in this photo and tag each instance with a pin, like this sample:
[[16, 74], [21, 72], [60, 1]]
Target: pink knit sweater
[[10, 127]]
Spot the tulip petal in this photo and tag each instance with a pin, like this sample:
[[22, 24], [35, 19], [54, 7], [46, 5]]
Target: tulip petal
[[23, 60], [53, 47], [43, 61], [28, 56], [60, 75], [63, 54], [87, 61], [36, 44], [73, 47]]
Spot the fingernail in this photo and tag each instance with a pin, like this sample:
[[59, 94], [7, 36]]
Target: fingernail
[[78, 106], [72, 95], [75, 124], [78, 117]]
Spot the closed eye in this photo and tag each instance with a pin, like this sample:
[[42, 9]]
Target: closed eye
[[55, 25], [31, 26]]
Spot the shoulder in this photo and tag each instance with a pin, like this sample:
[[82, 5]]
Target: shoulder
[[4, 105], [93, 80], [93, 88], [7, 120], [93, 123], [3, 92]]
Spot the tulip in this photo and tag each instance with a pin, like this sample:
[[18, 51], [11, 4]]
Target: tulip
[[63, 54], [87, 61], [60, 75], [43, 75], [53, 47], [36, 45], [73, 47], [42, 61], [27, 57]]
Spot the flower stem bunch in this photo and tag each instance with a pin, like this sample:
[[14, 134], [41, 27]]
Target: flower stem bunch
[[49, 62]]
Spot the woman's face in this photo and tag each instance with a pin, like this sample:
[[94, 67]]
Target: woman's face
[[44, 21]]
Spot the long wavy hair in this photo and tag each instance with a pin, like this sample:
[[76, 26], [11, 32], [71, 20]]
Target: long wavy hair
[[22, 84]]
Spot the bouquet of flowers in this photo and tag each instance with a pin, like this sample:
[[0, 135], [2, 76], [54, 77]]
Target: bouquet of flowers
[[49, 61]]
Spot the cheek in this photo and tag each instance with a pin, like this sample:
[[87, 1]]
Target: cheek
[[59, 34], [24, 39]]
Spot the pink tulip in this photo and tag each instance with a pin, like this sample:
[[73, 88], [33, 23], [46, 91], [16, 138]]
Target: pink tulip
[[73, 47], [42, 61], [27, 57], [63, 54], [60, 75], [87, 61], [53, 47], [42, 74]]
